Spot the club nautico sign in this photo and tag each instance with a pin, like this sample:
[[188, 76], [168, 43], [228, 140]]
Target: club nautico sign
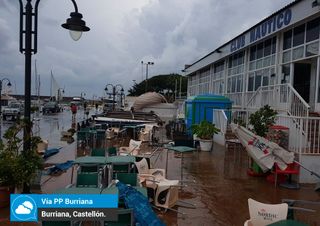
[[268, 27]]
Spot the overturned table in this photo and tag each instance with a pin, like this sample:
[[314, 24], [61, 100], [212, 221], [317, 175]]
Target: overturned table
[[181, 150]]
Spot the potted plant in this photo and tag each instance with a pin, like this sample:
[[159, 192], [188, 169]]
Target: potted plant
[[17, 167], [205, 131]]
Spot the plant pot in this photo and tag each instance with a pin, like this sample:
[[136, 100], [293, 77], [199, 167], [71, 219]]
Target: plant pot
[[4, 196], [206, 145]]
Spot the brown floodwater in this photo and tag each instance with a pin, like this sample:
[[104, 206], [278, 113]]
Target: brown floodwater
[[220, 192]]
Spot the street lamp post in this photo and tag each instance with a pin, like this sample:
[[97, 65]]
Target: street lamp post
[[115, 91], [28, 46], [147, 64], [8, 84]]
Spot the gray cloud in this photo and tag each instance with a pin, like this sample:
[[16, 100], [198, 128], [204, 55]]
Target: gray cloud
[[169, 32]]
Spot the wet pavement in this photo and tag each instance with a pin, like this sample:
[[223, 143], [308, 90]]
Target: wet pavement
[[220, 192]]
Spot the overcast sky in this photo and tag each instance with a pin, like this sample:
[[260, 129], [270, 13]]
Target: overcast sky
[[171, 33]]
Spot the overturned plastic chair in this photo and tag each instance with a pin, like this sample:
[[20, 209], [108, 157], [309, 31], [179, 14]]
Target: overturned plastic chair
[[132, 149], [262, 214], [167, 194]]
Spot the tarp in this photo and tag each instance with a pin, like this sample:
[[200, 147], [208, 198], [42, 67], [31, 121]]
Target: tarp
[[264, 152], [148, 99], [50, 152], [59, 168], [142, 210]]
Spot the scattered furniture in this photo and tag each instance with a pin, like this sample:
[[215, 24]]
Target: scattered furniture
[[167, 194], [132, 149], [263, 214], [98, 152], [292, 169]]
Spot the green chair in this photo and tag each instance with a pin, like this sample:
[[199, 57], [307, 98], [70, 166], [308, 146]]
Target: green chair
[[89, 168], [127, 178], [112, 151], [98, 152], [125, 218], [81, 136], [88, 180], [101, 137]]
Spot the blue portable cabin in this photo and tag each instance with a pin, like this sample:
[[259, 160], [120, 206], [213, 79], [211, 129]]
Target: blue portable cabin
[[200, 107]]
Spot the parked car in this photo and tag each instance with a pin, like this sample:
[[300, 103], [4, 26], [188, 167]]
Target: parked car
[[51, 107], [14, 110]]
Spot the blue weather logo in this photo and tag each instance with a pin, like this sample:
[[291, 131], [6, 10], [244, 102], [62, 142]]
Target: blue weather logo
[[23, 208]]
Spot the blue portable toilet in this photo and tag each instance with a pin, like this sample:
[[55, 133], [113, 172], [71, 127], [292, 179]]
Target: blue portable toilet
[[200, 107]]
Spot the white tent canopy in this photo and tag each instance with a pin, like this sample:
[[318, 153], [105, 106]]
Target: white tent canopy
[[264, 152]]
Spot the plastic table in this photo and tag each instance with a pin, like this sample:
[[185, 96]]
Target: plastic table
[[181, 150]]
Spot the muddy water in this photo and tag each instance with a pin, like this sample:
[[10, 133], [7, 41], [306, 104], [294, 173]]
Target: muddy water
[[220, 192], [223, 187]]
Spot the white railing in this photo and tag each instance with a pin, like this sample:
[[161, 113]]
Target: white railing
[[282, 98], [304, 132]]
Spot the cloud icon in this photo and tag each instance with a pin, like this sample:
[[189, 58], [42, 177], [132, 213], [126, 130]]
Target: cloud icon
[[28, 205], [22, 210]]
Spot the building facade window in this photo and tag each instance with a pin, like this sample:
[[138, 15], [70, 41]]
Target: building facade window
[[262, 64], [301, 41], [218, 77], [235, 73], [204, 80]]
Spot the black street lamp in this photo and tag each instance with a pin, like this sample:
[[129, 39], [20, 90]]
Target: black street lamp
[[115, 91], [28, 46], [147, 64], [8, 84]]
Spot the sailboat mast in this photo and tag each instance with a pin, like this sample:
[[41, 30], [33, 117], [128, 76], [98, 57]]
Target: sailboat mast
[[51, 85]]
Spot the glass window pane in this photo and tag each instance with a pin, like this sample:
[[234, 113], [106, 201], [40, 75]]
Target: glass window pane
[[259, 63], [273, 59], [250, 82], [233, 84], [257, 82], [230, 62], [274, 45], [221, 87], [235, 60], [260, 50], [241, 58], [312, 49], [253, 53], [239, 84], [286, 56], [265, 81], [252, 65], [285, 77], [229, 85], [298, 35], [266, 61], [267, 47], [312, 30], [297, 53], [287, 39]]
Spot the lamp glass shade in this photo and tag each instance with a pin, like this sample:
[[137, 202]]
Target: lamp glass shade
[[75, 35]]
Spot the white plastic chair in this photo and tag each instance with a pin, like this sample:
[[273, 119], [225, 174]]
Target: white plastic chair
[[132, 149], [262, 214]]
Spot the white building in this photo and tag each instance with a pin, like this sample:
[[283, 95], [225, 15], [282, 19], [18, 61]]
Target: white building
[[275, 62]]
